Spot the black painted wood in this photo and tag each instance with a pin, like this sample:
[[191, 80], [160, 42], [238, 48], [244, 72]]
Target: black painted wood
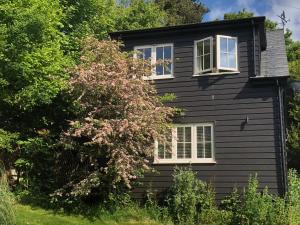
[[241, 149]]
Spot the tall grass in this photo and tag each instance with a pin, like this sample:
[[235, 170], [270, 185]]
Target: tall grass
[[7, 215]]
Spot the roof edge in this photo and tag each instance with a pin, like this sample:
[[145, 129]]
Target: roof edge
[[257, 20]]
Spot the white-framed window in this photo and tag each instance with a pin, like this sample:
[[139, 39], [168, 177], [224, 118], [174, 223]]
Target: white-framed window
[[226, 53], [213, 55], [161, 57], [191, 143], [203, 51]]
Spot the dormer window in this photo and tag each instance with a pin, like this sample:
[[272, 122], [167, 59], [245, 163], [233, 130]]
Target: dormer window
[[204, 55], [161, 57], [215, 55]]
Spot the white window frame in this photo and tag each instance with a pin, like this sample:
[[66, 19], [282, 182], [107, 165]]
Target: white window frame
[[153, 60], [193, 159], [196, 71], [219, 67]]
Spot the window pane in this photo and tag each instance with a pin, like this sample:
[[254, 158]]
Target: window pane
[[206, 62], [147, 53], [231, 45], [180, 151], [200, 150], [223, 60], [168, 68], [200, 147], [201, 63], [159, 53], [168, 154], [207, 133], [167, 52], [188, 150], [180, 134], [188, 135], [208, 150], [159, 69], [161, 150], [199, 134], [207, 46], [232, 60], [200, 48], [140, 53], [223, 44], [198, 64]]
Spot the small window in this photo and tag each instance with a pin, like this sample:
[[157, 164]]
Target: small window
[[164, 60], [164, 151], [204, 55], [184, 142], [215, 55], [161, 57], [144, 53], [204, 141], [227, 52], [191, 143]]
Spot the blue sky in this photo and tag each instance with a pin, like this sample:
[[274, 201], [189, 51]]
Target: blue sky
[[268, 8]]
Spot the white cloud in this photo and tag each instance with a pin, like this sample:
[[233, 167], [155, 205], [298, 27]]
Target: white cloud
[[292, 12], [218, 10], [273, 9], [217, 13]]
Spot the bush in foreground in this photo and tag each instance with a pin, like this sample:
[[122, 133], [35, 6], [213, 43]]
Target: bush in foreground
[[7, 216], [192, 201]]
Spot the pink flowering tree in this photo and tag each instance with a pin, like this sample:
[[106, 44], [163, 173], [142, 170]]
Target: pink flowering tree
[[121, 116]]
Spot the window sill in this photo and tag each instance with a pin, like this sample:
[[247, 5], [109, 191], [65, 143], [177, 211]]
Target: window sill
[[215, 74], [161, 77], [184, 161]]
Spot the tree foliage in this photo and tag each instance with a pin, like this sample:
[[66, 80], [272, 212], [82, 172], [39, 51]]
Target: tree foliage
[[121, 116], [182, 11], [97, 18], [269, 24], [139, 14], [39, 40], [32, 62]]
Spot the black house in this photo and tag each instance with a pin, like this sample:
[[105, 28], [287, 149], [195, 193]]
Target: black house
[[229, 77]]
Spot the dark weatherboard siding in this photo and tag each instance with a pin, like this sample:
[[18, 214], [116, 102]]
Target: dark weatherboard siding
[[241, 149]]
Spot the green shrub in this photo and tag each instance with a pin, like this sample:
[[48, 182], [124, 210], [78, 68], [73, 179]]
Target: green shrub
[[7, 216], [256, 205], [155, 210], [232, 205], [293, 198], [191, 201]]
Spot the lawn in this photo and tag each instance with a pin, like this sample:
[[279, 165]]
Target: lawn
[[26, 215]]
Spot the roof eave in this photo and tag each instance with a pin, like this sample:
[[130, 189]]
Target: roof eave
[[190, 27]]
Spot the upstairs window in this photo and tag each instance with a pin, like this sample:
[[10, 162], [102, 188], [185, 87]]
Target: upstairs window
[[191, 143], [215, 55], [144, 53], [227, 52], [163, 60], [204, 55], [161, 57]]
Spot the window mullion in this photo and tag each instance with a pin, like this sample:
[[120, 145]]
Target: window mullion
[[227, 52], [163, 59], [183, 142], [203, 56], [194, 142], [175, 143], [153, 60], [211, 54], [204, 149], [212, 142]]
